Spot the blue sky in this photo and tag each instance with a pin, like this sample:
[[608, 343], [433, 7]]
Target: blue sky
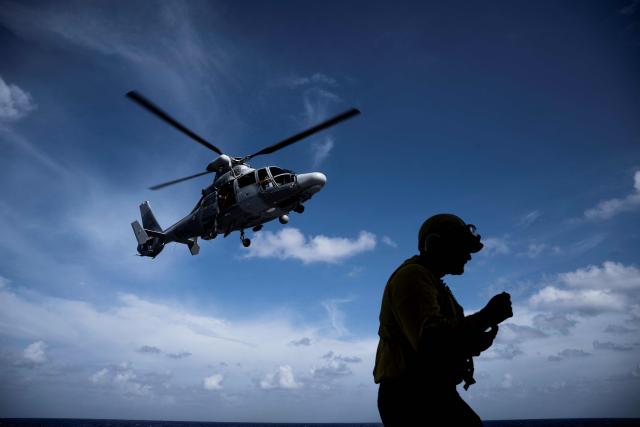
[[520, 117]]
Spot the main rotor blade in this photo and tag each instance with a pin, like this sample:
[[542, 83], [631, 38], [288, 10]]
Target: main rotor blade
[[151, 107], [297, 137], [175, 181]]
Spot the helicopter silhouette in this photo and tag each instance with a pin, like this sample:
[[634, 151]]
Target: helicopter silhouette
[[240, 196]]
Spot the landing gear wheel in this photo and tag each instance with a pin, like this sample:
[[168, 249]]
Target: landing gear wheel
[[246, 242], [299, 209]]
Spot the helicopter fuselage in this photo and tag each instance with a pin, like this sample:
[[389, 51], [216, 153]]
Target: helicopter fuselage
[[244, 198]]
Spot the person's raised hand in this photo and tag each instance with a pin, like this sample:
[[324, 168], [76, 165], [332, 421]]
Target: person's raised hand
[[498, 309]]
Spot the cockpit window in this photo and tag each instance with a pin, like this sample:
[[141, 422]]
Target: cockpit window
[[247, 179], [284, 178], [275, 171]]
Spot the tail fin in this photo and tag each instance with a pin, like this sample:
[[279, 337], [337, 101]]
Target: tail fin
[[149, 221], [141, 236]]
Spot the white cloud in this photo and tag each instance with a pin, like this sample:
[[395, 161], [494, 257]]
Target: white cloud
[[609, 208], [254, 351], [592, 290], [336, 316], [15, 103], [495, 246], [507, 381], [316, 78], [291, 243], [587, 301], [126, 380], [529, 218], [612, 275], [213, 382], [281, 378], [321, 150], [389, 241], [35, 352], [535, 249]]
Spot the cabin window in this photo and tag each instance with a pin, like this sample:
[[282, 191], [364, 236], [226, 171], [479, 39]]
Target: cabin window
[[247, 179], [262, 174]]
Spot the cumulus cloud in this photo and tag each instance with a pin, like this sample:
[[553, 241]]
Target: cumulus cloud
[[502, 351], [559, 323], [291, 243], [281, 378], [35, 353], [389, 241], [588, 301], [609, 208], [213, 382], [612, 275], [15, 103], [256, 346], [331, 370], [612, 287], [126, 380]]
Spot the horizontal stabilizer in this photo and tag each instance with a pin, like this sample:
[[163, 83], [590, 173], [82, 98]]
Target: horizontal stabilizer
[[159, 234], [141, 236]]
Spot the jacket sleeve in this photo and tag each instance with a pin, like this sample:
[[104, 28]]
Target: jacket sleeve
[[418, 312]]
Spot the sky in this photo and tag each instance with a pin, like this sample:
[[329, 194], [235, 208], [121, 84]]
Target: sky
[[520, 117]]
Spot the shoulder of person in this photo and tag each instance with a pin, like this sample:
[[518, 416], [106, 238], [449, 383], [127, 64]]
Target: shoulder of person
[[412, 276]]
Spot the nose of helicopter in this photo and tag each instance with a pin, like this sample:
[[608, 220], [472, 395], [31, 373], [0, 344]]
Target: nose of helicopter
[[311, 182]]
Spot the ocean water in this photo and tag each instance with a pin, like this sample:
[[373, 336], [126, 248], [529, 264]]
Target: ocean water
[[59, 422]]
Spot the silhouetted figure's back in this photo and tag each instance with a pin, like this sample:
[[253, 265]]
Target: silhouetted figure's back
[[426, 343]]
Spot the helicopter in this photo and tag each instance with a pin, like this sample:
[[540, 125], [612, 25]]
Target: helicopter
[[240, 197]]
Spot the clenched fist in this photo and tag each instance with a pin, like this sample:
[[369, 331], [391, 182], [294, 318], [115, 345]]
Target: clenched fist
[[498, 309]]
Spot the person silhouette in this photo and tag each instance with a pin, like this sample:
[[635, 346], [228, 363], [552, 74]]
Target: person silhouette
[[427, 344]]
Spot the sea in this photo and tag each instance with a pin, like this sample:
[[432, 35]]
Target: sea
[[61, 422]]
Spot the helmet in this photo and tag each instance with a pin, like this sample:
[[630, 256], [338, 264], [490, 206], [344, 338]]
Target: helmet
[[451, 228]]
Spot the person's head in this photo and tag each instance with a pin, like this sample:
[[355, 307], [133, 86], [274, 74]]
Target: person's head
[[447, 241]]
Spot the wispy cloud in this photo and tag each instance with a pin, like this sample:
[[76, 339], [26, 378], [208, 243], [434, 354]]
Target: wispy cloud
[[35, 352], [321, 150], [496, 246], [314, 79], [15, 103], [291, 243], [529, 218], [389, 241], [607, 209], [336, 315]]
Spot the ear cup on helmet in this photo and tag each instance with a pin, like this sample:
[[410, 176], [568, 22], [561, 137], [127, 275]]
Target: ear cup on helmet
[[429, 241]]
